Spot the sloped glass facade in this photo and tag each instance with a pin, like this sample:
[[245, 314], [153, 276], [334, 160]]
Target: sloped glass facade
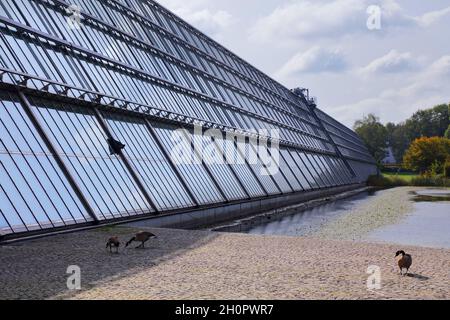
[[74, 75]]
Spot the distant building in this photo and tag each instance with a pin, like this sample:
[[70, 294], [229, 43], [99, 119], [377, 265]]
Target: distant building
[[390, 159]]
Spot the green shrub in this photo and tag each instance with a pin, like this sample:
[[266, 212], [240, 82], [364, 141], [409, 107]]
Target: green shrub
[[424, 181], [436, 169], [421, 181], [447, 168], [382, 181]]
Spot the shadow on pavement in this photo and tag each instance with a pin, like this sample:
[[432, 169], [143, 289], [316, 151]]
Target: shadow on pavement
[[38, 269]]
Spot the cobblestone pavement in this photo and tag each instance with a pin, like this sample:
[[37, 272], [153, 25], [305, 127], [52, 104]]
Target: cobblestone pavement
[[204, 265]]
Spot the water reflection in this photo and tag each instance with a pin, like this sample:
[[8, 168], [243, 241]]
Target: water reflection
[[431, 195], [308, 221], [428, 225]]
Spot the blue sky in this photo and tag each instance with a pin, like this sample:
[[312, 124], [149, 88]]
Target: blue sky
[[327, 47]]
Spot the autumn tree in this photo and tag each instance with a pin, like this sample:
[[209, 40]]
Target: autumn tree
[[427, 155], [424, 123]]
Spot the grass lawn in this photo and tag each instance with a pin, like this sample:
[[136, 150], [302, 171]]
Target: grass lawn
[[404, 176], [407, 179]]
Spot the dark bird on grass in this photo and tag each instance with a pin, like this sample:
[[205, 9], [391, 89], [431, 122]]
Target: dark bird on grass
[[404, 262], [142, 237], [113, 242]]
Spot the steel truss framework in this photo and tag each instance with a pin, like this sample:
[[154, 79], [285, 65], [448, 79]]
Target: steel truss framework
[[135, 73]]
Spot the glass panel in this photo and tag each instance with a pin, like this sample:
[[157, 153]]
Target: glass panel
[[343, 167], [83, 145], [243, 171], [326, 171], [149, 162], [34, 192], [258, 168], [303, 169], [336, 172], [287, 172], [296, 170], [320, 169], [188, 164], [312, 169], [222, 173]]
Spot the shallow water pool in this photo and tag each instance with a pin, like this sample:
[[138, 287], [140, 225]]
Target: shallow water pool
[[305, 222], [427, 225]]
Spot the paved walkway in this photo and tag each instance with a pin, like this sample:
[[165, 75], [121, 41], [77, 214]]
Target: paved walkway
[[204, 265]]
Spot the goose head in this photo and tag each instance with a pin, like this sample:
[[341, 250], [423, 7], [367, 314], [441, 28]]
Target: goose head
[[401, 252]]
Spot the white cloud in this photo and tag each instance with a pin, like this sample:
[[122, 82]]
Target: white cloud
[[314, 60], [306, 19], [392, 62], [209, 22], [432, 17], [428, 88], [441, 67], [380, 85], [196, 12], [310, 19]]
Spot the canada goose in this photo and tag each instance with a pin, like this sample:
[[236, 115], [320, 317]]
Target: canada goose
[[113, 242], [405, 262], [142, 237]]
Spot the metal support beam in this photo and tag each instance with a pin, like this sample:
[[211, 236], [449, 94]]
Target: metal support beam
[[62, 5], [202, 52], [330, 138], [142, 74], [170, 161], [129, 106], [40, 129], [125, 160]]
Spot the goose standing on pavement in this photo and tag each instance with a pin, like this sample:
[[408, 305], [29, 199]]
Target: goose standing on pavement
[[404, 262], [142, 237], [113, 242]]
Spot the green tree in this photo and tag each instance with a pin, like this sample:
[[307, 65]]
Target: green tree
[[447, 133], [374, 135], [427, 155], [429, 123], [424, 123], [447, 167], [397, 139]]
